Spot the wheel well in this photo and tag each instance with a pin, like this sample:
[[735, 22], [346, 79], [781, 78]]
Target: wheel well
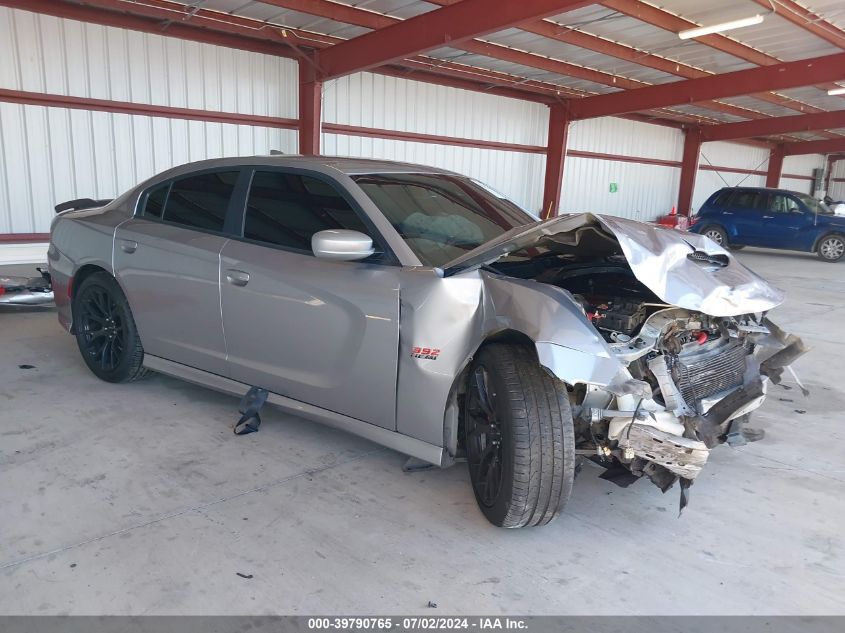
[[824, 235], [453, 416], [81, 275]]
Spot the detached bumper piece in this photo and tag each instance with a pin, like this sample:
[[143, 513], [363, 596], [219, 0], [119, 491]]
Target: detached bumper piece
[[26, 291]]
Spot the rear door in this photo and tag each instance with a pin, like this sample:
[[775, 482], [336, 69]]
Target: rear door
[[318, 331], [744, 213], [167, 262]]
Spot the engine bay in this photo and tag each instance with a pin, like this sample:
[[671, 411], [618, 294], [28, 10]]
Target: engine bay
[[689, 360]]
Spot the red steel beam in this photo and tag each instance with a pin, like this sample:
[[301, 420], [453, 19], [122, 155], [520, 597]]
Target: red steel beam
[[310, 108], [162, 17], [444, 27], [777, 125], [669, 21], [775, 166], [368, 19], [741, 82], [807, 20], [689, 170], [143, 109], [830, 146], [628, 53], [555, 158]]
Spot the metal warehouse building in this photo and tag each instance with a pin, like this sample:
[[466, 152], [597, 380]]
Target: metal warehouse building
[[98, 95], [318, 219]]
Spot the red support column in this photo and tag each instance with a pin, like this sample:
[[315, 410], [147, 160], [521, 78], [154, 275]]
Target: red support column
[[310, 101], [775, 166], [689, 170], [555, 157]]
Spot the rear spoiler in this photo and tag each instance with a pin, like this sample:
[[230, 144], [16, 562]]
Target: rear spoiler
[[79, 204]]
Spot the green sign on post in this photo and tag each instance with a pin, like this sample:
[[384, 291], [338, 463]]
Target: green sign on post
[[614, 187]]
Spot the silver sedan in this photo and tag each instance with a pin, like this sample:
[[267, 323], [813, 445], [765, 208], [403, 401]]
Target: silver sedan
[[424, 311]]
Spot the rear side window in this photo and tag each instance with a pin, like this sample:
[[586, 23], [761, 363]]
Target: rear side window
[[156, 198], [722, 198], [287, 209], [748, 199], [201, 201]]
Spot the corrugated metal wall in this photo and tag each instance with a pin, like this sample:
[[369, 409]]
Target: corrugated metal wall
[[48, 155], [837, 187], [376, 101], [53, 154], [722, 154], [801, 165], [642, 191]]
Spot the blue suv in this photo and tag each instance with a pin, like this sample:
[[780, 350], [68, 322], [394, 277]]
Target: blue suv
[[772, 218]]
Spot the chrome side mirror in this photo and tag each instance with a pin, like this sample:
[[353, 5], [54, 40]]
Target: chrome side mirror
[[341, 244]]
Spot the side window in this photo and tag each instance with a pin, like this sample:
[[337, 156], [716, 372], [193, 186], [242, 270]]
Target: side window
[[201, 201], [287, 209], [746, 199], [722, 198], [156, 198]]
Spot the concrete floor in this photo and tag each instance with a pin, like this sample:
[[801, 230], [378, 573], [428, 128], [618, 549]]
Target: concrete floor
[[137, 499]]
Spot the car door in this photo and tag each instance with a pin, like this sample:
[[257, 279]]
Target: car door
[[318, 331], [744, 213], [167, 261], [784, 222]]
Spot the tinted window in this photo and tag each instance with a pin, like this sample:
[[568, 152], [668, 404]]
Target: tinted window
[[722, 198], [440, 216], [201, 201], [747, 199], [155, 201], [287, 209]]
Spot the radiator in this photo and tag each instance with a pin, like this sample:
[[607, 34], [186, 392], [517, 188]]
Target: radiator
[[703, 374]]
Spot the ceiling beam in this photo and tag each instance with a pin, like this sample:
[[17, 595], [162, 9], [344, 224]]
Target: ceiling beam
[[807, 20], [172, 19], [741, 82], [830, 146], [371, 20], [588, 41], [443, 27], [670, 22], [774, 126]]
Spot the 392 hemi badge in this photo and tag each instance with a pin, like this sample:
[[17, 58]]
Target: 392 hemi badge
[[427, 353]]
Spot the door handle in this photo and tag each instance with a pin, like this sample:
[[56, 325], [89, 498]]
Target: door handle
[[727, 212], [128, 246], [768, 217], [237, 277]]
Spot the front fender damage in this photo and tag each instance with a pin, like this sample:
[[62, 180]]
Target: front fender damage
[[656, 405]]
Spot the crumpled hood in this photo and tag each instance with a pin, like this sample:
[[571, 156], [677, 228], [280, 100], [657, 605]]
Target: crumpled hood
[[658, 257]]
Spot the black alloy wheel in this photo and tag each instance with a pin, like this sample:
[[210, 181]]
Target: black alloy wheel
[[105, 330]]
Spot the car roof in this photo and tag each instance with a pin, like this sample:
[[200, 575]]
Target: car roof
[[772, 189], [346, 165]]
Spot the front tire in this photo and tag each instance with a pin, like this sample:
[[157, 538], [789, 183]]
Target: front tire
[[717, 234], [105, 330], [831, 248], [519, 437]]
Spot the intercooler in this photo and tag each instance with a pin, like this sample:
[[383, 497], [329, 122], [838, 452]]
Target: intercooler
[[700, 374]]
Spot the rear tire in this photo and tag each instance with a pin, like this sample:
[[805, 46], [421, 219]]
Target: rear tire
[[519, 437], [831, 248], [717, 234], [105, 330]]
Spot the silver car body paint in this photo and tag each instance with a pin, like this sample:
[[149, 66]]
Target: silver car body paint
[[384, 346]]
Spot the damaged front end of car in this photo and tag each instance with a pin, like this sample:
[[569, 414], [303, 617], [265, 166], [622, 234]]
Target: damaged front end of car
[[694, 381], [661, 337]]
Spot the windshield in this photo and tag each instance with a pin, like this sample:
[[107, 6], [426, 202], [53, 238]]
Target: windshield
[[439, 216], [812, 204]]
